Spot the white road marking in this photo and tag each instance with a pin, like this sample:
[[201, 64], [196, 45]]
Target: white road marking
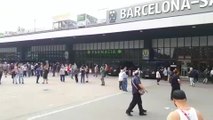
[[71, 107]]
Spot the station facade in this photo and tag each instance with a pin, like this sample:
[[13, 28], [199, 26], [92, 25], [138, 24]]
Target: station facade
[[169, 31]]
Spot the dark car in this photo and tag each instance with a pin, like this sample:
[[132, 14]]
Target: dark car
[[116, 66], [148, 72], [149, 68]]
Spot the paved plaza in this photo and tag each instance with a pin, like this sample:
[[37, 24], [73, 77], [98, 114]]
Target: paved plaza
[[91, 101]]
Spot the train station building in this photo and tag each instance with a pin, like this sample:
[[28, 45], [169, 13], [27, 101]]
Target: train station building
[[171, 31]]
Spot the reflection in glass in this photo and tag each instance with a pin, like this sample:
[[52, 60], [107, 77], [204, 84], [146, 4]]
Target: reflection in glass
[[210, 40], [173, 42], [195, 41], [188, 41], [160, 42], [167, 42], [180, 42], [154, 43], [203, 41]]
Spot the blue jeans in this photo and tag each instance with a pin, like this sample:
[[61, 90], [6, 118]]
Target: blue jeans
[[124, 84]]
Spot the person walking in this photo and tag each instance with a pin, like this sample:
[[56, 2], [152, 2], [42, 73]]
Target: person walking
[[136, 99], [191, 76], [158, 77], [206, 75], [183, 111], [175, 82]]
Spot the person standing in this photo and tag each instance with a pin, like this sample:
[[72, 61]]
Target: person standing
[[211, 75], [62, 73], [183, 111], [120, 79], [46, 71], [175, 82], [87, 73], [75, 72], [103, 75], [165, 74], [1, 71], [82, 71], [124, 82], [96, 71], [158, 77], [38, 73], [136, 99], [20, 74]]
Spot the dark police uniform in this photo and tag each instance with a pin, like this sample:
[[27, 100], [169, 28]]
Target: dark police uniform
[[136, 97]]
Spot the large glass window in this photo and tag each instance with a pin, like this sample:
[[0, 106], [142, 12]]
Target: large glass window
[[167, 51], [195, 41], [160, 42], [95, 46], [88, 46], [126, 44], [131, 44], [121, 44], [116, 45], [188, 41], [99, 46], [136, 44], [210, 40], [112, 45], [167, 42], [154, 43], [203, 41], [141, 43], [91, 46], [173, 42], [180, 42], [107, 45], [103, 45]]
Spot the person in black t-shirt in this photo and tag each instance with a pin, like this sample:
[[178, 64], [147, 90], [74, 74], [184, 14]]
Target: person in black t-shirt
[[175, 82]]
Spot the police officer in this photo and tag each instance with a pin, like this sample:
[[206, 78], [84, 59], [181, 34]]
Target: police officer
[[136, 99]]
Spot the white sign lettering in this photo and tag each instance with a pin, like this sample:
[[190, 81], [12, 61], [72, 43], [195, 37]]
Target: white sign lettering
[[167, 6]]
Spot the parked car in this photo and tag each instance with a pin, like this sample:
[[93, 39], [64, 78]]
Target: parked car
[[148, 73], [149, 68], [116, 66]]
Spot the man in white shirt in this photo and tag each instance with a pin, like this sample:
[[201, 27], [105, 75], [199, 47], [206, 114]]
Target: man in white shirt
[[183, 111], [211, 75]]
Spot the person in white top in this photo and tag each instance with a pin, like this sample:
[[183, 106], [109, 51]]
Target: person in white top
[[211, 75], [158, 77], [120, 79], [183, 111]]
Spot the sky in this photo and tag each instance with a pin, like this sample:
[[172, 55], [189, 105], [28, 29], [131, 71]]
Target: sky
[[39, 14]]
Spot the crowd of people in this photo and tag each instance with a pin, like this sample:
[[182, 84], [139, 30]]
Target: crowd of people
[[19, 71]]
